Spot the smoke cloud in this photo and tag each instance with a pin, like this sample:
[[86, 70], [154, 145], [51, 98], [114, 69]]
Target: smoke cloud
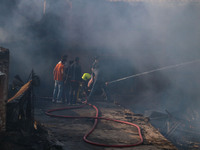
[[135, 36]]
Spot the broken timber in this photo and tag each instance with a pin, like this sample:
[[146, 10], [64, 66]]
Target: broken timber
[[4, 67]]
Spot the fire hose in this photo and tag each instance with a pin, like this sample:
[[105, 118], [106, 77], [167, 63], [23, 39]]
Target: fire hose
[[96, 117], [154, 70]]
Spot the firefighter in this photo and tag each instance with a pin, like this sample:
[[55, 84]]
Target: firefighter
[[98, 80], [58, 73], [86, 78], [85, 83]]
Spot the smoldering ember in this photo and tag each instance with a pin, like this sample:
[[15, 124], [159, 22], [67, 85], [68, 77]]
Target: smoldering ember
[[99, 74]]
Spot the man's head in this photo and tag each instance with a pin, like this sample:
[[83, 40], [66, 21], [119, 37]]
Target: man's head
[[64, 59], [77, 59]]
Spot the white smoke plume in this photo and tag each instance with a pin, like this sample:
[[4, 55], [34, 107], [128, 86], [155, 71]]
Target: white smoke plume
[[143, 35]]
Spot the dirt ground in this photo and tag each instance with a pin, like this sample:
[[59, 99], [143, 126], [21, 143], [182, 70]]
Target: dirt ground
[[67, 133]]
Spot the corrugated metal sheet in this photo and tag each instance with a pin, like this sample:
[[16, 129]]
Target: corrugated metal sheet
[[21, 91]]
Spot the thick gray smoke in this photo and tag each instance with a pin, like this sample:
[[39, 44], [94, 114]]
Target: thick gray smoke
[[140, 35]]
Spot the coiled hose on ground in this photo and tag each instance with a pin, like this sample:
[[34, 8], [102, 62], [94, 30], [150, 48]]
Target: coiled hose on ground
[[96, 117]]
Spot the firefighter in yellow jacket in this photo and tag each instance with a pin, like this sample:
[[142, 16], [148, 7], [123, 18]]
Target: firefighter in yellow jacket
[[85, 84]]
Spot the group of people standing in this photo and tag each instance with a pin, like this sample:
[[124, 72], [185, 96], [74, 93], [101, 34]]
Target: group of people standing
[[68, 77]]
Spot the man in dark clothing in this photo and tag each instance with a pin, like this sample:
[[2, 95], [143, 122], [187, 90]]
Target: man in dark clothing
[[75, 76], [98, 80], [67, 82]]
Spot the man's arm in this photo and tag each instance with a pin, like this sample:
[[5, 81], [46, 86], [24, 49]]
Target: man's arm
[[90, 82]]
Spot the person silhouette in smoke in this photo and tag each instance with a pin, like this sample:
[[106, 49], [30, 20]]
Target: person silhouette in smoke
[[98, 80], [67, 83], [58, 74], [75, 76]]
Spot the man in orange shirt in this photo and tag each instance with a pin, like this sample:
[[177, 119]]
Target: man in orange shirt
[[58, 73]]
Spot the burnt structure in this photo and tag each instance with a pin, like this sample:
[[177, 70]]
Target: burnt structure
[[20, 112], [4, 69]]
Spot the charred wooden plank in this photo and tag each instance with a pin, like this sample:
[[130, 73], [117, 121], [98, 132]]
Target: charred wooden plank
[[4, 67]]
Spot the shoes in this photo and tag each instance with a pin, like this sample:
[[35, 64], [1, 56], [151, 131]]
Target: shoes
[[53, 101], [59, 102]]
